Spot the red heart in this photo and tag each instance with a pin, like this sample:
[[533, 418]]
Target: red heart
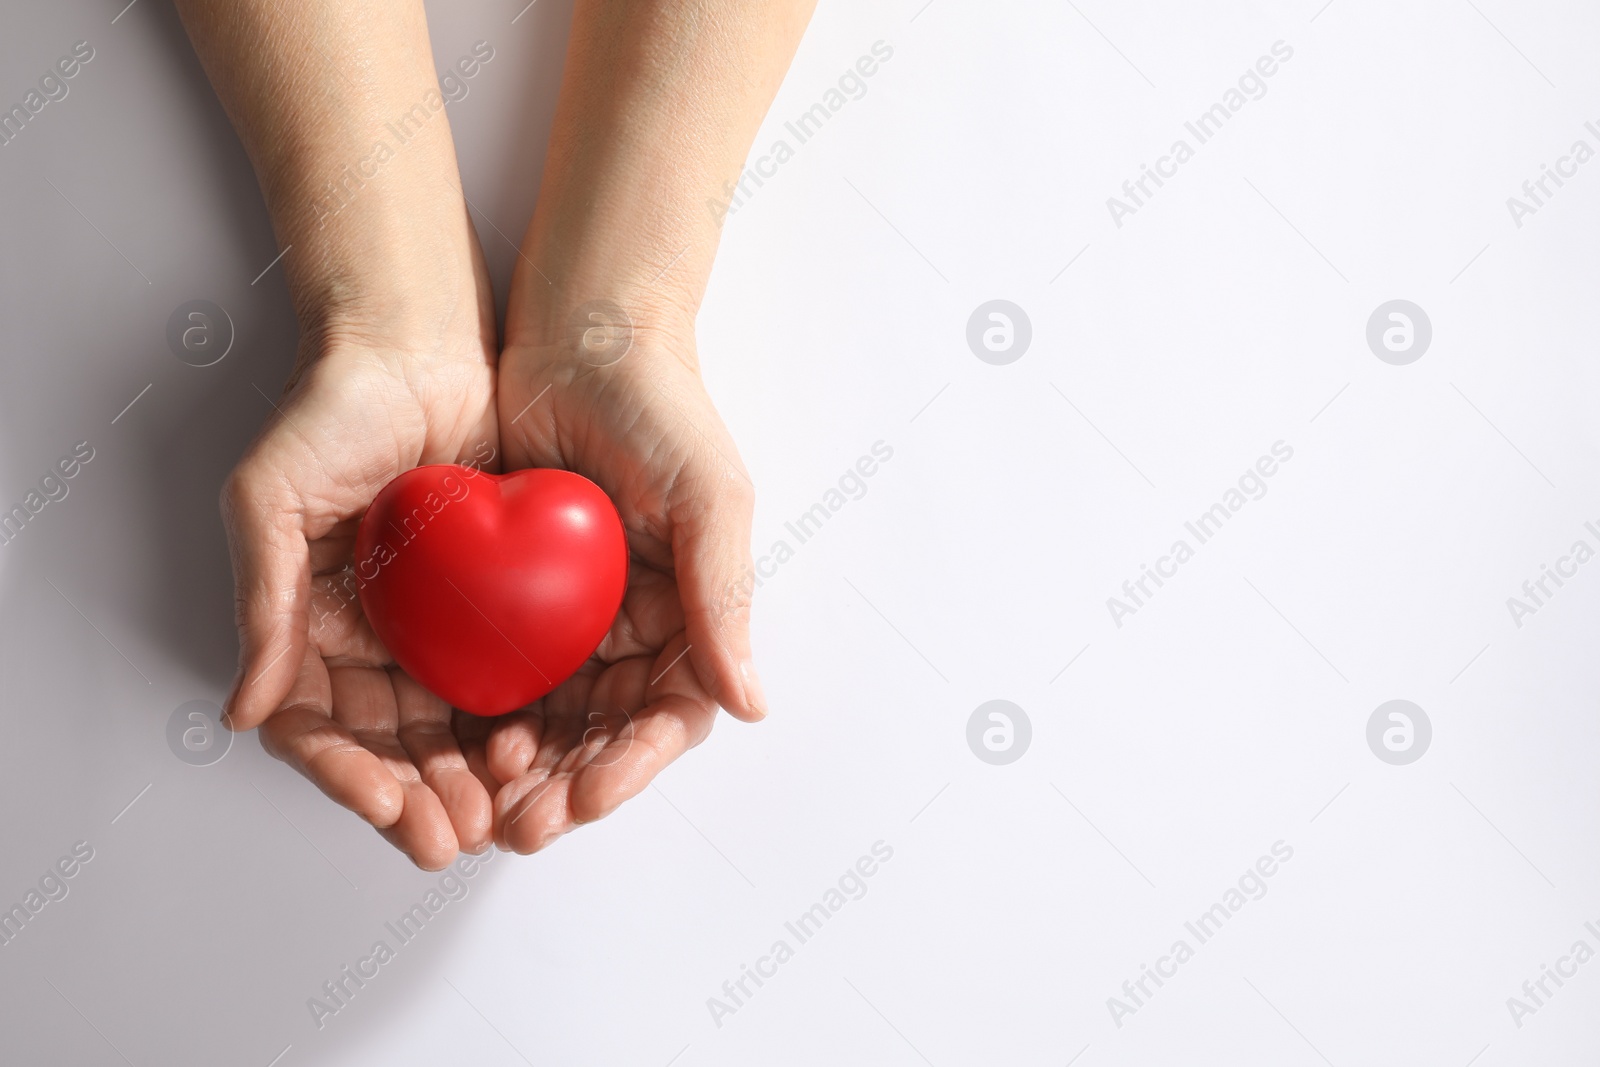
[[491, 589]]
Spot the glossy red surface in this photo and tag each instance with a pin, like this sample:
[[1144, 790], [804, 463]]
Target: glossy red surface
[[491, 590]]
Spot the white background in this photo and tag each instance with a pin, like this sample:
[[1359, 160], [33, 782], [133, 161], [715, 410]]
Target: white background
[[1228, 714]]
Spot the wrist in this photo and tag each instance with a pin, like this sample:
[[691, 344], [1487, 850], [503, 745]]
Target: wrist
[[561, 341], [582, 304], [390, 274], [633, 247]]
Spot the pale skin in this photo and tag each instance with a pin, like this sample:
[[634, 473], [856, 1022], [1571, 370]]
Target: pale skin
[[400, 364]]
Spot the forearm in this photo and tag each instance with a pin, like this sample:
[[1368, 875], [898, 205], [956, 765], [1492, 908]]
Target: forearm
[[338, 106], [659, 104]]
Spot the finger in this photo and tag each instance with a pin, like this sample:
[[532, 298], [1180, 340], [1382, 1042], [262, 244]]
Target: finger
[[591, 760], [711, 554], [264, 520], [532, 812], [365, 703], [303, 734], [332, 551], [632, 758], [651, 614], [537, 808], [513, 743], [534, 752], [541, 734], [340, 632], [472, 734], [424, 832], [426, 736], [623, 752]]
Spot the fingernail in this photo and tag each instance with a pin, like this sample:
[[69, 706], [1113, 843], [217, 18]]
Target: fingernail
[[755, 697]]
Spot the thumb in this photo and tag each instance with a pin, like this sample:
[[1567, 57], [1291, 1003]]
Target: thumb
[[711, 557], [272, 581]]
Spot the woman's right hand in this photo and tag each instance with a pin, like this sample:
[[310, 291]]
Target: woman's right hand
[[397, 368], [363, 406]]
